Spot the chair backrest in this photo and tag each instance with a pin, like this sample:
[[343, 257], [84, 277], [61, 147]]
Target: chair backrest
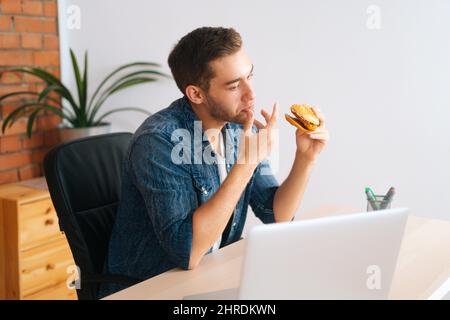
[[84, 181]]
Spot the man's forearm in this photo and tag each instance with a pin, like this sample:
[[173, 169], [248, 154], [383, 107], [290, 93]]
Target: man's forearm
[[290, 193], [211, 218]]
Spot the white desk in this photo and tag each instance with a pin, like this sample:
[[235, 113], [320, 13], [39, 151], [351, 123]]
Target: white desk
[[423, 265]]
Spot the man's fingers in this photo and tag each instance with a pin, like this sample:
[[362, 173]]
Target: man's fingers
[[318, 130], [248, 123], [274, 116], [319, 115], [325, 136], [258, 124], [266, 115]]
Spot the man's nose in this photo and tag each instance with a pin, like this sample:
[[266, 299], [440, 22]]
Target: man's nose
[[250, 93]]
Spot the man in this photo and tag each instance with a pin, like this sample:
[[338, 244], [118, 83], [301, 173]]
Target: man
[[177, 205]]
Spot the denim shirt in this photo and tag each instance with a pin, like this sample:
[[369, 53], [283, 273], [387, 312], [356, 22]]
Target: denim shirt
[[153, 228]]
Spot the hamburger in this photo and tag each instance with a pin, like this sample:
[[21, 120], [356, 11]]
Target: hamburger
[[304, 117]]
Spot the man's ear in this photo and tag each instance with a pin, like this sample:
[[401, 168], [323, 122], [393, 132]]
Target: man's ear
[[195, 94]]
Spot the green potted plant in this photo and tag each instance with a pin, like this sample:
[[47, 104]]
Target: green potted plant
[[82, 114]]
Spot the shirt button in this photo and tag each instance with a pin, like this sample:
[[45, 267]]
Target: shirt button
[[234, 224], [204, 190]]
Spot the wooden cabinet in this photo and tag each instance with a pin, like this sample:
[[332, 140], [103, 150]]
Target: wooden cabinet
[[34, 253]]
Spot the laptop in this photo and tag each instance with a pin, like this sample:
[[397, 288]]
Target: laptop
[[341, 257]]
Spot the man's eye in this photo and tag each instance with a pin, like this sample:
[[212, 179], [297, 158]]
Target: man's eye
[[233, 88]]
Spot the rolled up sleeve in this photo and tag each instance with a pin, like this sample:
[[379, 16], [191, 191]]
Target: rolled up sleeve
[[168, 193], [263, 192]]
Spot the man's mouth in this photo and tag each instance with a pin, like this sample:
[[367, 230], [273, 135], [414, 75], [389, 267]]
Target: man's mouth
[[246, 109]]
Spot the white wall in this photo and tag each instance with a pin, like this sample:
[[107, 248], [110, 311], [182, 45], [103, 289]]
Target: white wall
[[385, 93]]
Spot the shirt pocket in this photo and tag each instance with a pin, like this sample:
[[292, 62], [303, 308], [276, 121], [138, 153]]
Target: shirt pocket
[[204, 188]]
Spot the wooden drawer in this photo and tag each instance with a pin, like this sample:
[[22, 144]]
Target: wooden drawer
[[44, 267], [58, 292], [38, 223]]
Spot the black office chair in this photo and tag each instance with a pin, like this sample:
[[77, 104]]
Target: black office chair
[[84, 178]]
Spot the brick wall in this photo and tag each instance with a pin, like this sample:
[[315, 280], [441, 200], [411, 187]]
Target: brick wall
[[28, 37]]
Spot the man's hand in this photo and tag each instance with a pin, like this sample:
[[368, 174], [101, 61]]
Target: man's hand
[[210, 219], [290, 193], [255, 147], [310, 144]]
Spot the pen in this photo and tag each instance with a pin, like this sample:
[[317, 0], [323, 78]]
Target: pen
[[388, 198], [371, 198]]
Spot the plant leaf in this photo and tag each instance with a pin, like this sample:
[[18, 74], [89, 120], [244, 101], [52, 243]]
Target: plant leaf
[[126, 66], [17, 93], [44, 93], [13, 116], [31, 121], [33, 115], [76, 71], [125, 77], [131, 82], [85, 82], [121, 86], [50, 79]]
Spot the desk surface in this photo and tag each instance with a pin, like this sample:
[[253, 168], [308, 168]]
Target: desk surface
[[423, 265]]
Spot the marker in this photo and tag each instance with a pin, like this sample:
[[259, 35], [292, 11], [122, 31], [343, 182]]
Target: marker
[[371, 198], [388, 198]]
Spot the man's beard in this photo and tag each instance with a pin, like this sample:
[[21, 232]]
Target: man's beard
[[221, 113]]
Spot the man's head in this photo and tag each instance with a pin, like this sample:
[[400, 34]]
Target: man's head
[[212, 70]]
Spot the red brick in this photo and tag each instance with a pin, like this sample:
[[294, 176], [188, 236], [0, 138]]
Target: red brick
[[30, 171], [11, 6], [8, 176], [33, 8], [10, 77], [54, 104], [46, 58], [5, 23], [49, 25], [53, 95], [51, 137], [13, 88], [9, 40], [36, 140], [10, 143], [29, 78], [14, 160], [7, 109], [47, 122], [32, 24], [19, 127], [31, 41], [55, 72], [38, 155], [37, 86], [16, 58], [51, 41], [50, 9]]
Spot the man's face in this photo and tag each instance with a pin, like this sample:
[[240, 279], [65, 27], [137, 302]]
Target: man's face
[[230, 92]]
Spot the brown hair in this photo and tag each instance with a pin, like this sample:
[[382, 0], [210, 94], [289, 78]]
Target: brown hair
[[189, 59]]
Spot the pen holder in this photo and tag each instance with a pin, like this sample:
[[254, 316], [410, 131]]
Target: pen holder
[[378, 203]]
